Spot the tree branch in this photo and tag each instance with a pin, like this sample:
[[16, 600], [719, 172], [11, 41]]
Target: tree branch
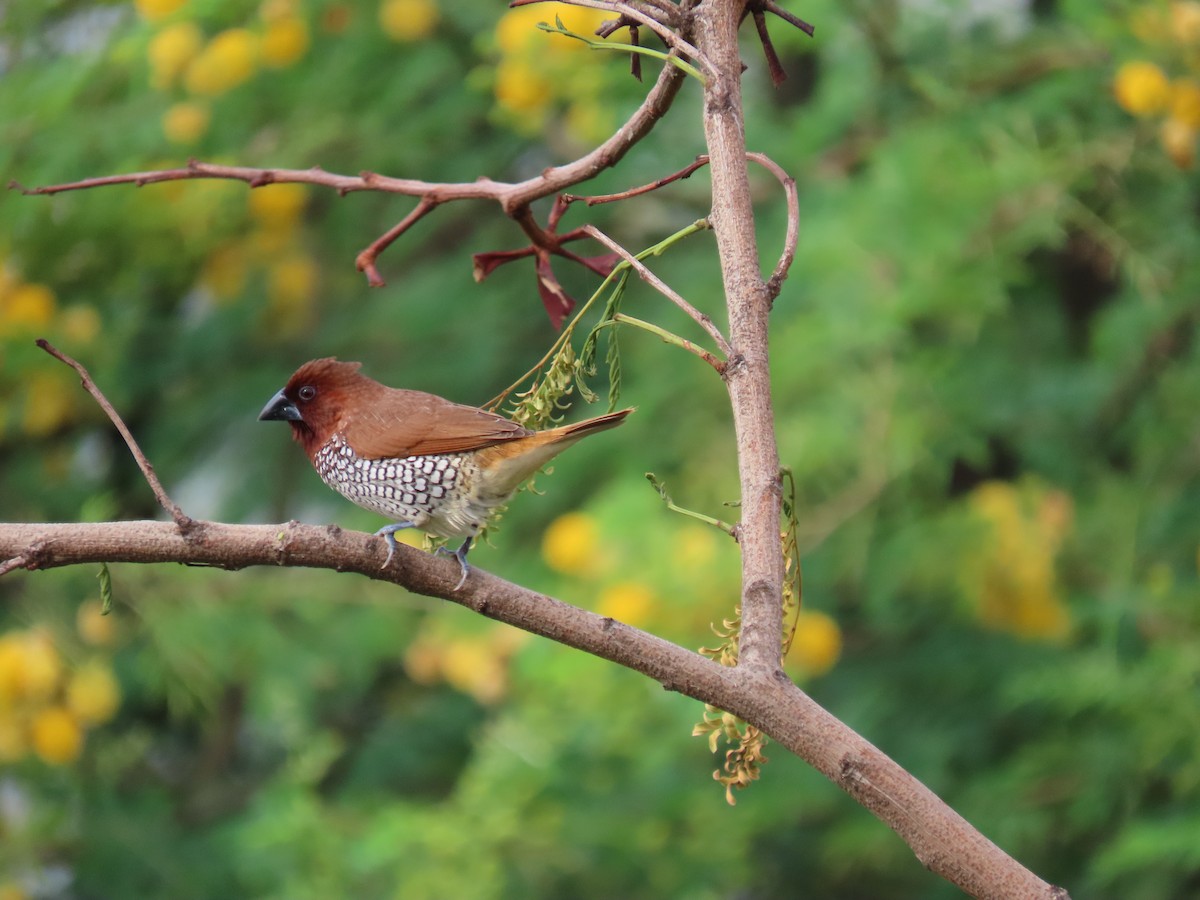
[[941, 839], [514, 198], [748, 376]]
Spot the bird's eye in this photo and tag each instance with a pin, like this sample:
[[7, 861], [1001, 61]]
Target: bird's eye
[[307, 392]]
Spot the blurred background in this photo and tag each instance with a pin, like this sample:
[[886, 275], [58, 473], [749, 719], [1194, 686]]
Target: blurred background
[[987, 389]]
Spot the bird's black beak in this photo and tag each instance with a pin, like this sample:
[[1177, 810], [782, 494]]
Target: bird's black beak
[[280, 408]]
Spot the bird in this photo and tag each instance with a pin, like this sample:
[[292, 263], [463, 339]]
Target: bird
[[419, 459]]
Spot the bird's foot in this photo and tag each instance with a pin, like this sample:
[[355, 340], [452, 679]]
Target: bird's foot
[[389, 532], [461, 555]]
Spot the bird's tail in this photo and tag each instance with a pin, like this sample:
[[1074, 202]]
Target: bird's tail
[[572, 433], [515, 461]]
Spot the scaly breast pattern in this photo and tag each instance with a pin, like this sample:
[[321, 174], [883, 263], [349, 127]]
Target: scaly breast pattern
[[439, 494]]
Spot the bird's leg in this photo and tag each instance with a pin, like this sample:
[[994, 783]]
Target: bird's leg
[[389, 532], [461, 555]]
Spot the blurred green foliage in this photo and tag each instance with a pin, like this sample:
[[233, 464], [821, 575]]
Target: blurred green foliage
[[986, 380]]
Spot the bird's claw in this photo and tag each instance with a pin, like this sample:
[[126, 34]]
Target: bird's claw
[[388, 532], [461, 555]]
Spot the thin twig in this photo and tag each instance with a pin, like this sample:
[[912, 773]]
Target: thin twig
[[365, 262], [772, 7], [671, 338], [774, 66], [726, 527], [597, 199], [669, 36], [183, 522], [792, 237], [672, 57], [17, 562], [659, 285]]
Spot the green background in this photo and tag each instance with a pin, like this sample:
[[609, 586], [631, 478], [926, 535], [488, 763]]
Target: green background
[[986, 385]]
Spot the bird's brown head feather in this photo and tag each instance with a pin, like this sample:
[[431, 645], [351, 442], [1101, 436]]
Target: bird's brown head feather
[[326, 397]]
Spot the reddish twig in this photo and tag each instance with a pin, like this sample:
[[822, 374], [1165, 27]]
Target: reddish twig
[[791, 237], [774, 66], [183, 522], [774, 8], [514, 198], [659, 285], [597, 199], [365, 262]]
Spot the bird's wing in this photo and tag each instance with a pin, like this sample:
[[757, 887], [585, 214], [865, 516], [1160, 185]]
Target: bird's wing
[[413, 423]]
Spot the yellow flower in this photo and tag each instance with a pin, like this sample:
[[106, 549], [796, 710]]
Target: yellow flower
[[49, 403], [93, 695], [578, 19], [274, 10], [1142, 88], [570, 544], [57, 737], [292, 282], [1148, 24], [93, 626], [228, 60], [14, 736], [1010, 576], [12, 668], [1033, 611], [628, 602], [423, 661], [277, 205], [1179, 141], [153, 10], [224, 272], [170, 52], [408, 20], [284, 42], [588, 121], [80, 324], [521, 88], [470, 666], [1185, 102], [30, 668], [517, 29], [185, 123], [291, 288], [996, 501], [1185, 22], [817, 644], [694, 546], [27, 307]]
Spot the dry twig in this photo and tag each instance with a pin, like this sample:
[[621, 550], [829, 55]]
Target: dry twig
[[183, 522]]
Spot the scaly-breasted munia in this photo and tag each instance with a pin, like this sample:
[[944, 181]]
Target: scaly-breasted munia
[[416, 458]]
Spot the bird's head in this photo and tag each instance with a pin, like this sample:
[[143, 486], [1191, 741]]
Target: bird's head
[[316, 399]]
